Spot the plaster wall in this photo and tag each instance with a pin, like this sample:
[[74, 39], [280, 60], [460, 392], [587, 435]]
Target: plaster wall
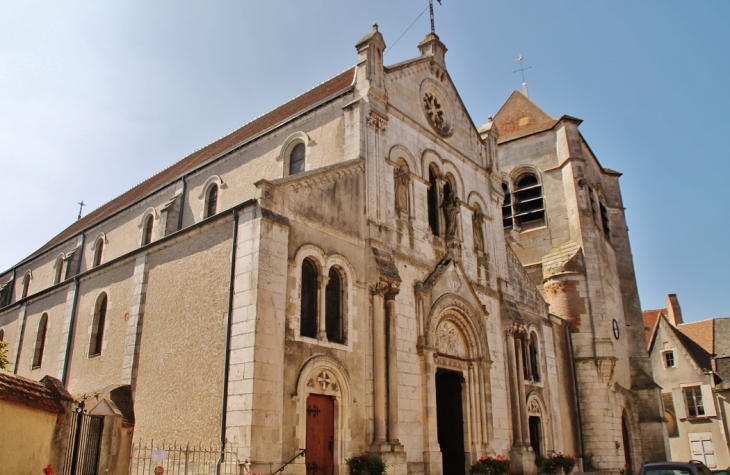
[[91, 373], [27, 448], [54, 304], [182, 345]]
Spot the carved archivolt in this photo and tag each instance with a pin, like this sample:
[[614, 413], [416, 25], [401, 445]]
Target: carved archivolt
[[454, 327]]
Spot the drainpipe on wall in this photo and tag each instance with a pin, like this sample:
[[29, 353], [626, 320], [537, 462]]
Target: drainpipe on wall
[[226, 368]]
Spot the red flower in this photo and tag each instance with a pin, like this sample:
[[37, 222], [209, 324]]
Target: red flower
[[48, 470], [627, 466], [500, 457]]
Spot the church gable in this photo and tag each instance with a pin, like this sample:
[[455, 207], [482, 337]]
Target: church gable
[[421, 92]]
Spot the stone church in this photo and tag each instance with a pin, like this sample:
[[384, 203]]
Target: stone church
[[361, 269]]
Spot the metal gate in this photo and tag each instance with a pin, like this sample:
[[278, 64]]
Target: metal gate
[[84, 442]]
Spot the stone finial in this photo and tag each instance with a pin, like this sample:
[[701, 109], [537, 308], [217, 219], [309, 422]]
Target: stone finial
[[432, 46]]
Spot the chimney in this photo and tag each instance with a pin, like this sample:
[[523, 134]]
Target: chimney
[[673, 310]]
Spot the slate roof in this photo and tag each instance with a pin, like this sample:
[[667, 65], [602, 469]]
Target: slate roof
[[333, 87], [46, 395]]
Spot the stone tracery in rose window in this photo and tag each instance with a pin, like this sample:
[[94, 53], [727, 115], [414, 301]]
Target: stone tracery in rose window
[[435, 113]]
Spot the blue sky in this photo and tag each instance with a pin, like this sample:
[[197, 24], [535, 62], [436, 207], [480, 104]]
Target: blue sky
[[97, 96]]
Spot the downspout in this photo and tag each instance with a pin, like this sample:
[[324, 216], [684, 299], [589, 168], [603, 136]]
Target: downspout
[[226, 367], [182, 202], [569, 326], [72, 320]]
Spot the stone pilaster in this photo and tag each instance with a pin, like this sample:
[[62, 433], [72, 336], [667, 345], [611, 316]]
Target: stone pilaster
[[134, 323]]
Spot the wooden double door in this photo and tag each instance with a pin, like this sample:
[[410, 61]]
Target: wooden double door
[[320, 442]]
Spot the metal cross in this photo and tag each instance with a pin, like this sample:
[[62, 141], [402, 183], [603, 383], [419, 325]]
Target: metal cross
[[81, 207], [522, 68], [430, 8]]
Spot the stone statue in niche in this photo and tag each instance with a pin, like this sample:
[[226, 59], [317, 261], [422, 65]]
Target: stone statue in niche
[[402, 182], [477, 224], [452, 207]]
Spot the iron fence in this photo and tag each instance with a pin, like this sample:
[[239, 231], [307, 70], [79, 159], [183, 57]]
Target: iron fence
[[177, 459]]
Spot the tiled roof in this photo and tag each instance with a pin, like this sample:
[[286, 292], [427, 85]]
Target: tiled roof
[[336, 85], [702, 357], [650, 319], [702, 333], [37, 395], [519, 116]]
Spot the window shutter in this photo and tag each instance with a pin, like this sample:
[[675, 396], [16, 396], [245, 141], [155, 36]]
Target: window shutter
[[708, 399], [678, 396]]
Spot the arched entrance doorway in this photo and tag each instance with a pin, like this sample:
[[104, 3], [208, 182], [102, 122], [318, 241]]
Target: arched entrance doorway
[[450, 421], [457, 375]]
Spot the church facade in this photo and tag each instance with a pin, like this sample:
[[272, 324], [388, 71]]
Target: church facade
[[361, 269]]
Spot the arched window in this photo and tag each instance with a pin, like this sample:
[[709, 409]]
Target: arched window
[[97, 326], [149, 223], [40, 341], [296, 159], [211, 201], [433, 202], [604, 221], [529, 206], [506, 207], [533, 358], [308, 323], [59, 270], [2, 334], [25, 287], [627, 439], [333, 308], [98, 249]]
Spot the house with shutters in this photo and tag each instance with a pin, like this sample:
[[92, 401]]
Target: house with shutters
[[690, 363]]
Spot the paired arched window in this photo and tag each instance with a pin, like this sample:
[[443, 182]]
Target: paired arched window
[[59, 270], [149, 223], [211, 201], [40, 341], [98, 250], [315, 320], [25, 286], [97, 326], [296, 159]]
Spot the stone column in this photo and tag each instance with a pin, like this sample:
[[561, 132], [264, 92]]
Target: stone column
[[433, 464], [521, 388], [392, 365], [513, 388], [379, 363], [322, 281]]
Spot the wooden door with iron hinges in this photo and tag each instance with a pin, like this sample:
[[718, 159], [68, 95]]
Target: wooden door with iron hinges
[[320, 435]]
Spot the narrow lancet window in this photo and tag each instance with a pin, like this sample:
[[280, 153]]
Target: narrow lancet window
[[433, 202], [333, 309], [97, 326], [211, 201], [149, 223], [296, 159], [40, 341]]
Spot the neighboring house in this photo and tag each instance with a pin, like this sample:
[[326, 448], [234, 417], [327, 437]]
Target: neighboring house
[[691, 363], [361, 268]]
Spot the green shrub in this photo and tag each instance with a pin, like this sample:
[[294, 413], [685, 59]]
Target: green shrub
[[366, 465]]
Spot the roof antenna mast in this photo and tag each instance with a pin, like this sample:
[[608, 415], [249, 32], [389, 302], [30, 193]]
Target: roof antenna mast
[[522, 70], [81, 207]]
